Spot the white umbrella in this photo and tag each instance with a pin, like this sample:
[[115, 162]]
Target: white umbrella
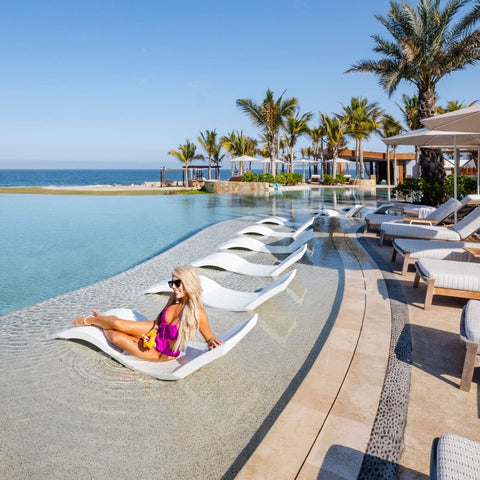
[[305, 161], [463, 120], [425, 137], [340, 160], [246, 158]]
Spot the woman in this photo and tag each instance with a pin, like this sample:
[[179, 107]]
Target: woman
[[177, 324]]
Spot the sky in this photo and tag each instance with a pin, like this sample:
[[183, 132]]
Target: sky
[[118, 83]]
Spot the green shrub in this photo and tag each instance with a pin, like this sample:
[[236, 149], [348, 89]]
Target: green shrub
[[340, 178], [293, 178], [465, 186], [280, 178], [250, 177], [411, 189], [266, 177], [328, 179]]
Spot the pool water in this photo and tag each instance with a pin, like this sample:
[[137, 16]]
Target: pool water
[[54, 244]]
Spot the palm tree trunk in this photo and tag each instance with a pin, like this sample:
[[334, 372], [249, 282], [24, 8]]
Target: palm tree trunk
[[209, 167], [395, 172], [186, 174], [360, 156], [431, 160]]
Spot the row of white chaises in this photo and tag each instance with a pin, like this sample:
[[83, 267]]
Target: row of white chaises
[[197, 354]]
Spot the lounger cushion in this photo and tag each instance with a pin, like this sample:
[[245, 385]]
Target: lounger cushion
[[458, 458], [471, 315], [428, 249], [427, 232], [450, 274], [378, 218]]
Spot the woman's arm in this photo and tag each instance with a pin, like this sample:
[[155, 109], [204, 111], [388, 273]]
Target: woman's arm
[[207, 333]]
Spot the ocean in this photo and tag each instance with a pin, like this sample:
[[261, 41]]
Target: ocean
[[81, 177], [52, 245]]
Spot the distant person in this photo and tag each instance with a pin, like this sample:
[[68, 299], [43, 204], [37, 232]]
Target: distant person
[[163, 339]]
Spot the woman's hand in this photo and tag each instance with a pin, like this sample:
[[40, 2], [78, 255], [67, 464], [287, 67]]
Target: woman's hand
[[214, 342]]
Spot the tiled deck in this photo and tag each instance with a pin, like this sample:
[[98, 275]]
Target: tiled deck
[[339, 413]]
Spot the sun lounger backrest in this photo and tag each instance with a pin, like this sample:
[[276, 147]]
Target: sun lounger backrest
[[469, 225], [470, 199], [444, 210]]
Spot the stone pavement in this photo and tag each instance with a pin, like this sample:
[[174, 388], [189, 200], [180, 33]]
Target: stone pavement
[[384, 385]]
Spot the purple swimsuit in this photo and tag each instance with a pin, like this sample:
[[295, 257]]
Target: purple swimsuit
[[166, 333]]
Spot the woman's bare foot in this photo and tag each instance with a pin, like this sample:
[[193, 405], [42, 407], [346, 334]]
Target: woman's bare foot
[[79, 321], [97, 313]]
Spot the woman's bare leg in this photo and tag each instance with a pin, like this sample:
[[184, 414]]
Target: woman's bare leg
[[134, 346], [132, 328]]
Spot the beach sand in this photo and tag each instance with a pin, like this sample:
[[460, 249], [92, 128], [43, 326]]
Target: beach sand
[[69, 411]]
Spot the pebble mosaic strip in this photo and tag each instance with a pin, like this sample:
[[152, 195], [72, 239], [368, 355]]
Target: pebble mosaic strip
[[386, 439]]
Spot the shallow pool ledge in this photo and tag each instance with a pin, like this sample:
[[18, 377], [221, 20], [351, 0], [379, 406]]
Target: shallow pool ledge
[[325, 428]]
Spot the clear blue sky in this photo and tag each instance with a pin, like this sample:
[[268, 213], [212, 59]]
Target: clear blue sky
[[117, 83]]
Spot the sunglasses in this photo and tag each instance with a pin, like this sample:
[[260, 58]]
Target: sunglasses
[[177, 283]]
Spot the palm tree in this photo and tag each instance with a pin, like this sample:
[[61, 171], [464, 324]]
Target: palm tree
[[239, 144], [391, 127], [361, 120], [410, 112], [217, 158], [294, 127], [428, 44], [208, 141], [317, 135], [453, 105], [411, 118], [186, 153], [335, 136], [269, 116]]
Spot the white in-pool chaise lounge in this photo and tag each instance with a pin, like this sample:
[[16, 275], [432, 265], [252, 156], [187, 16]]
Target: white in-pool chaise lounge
[[275, 220], [454, 458], [456, 233], [447, 277], [346, 212], [269, 232], [234, 263], [216, 296], [375, 219], [249, 243], [194, 357], [412, 249]]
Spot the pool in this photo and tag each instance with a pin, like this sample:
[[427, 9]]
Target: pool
[[69, 409], [55, 244]]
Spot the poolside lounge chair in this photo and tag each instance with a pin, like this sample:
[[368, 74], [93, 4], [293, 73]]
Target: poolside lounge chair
[[454, 458], [269, 232], [413, 249], [470, 336], [375, 219], [194, 357], [447, 277], [234, 263], [256, 245], [456, 233], [216, 296]]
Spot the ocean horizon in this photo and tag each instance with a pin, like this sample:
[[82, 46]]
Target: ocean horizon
[[55, 177]]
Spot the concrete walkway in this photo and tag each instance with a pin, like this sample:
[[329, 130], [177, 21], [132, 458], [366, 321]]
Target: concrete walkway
[[367, 408]]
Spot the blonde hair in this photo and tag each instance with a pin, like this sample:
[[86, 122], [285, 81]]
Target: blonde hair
[[192, 305]]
